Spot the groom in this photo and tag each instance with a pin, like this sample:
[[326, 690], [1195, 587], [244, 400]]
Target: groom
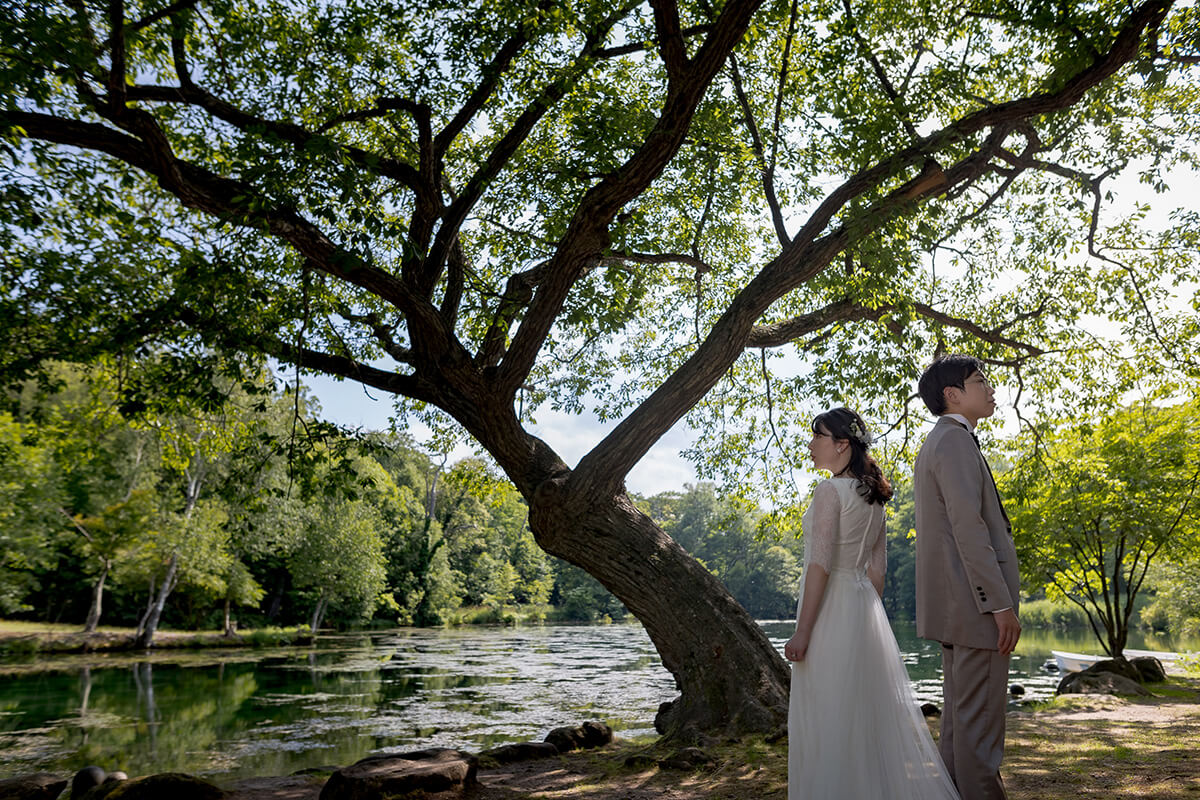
[[967, 580]]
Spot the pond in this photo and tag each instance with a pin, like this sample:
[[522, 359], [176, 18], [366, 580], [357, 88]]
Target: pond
[[247, 713]]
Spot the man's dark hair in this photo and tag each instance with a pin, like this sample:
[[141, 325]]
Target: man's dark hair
[[951, 370]]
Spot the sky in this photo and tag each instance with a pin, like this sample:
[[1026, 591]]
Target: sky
[[660, 470]]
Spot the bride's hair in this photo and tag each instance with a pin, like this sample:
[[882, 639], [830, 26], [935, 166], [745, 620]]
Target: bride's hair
[[842, 423]]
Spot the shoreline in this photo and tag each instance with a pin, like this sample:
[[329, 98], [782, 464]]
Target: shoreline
[[1068, 749]]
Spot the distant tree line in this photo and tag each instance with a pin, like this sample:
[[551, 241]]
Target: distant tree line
[[137, 493], [132, 494]]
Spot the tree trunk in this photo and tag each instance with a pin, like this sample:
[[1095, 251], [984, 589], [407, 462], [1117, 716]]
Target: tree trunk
[[731, 679], [319, 613], [149, 622], [228, 627], [93, 615]]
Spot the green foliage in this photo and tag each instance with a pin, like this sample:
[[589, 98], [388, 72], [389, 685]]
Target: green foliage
[[1096, 502], [900, 582], [1175, 603], [725, 534], [27, 516], [1045, 613], [379, 530], [377, 125]]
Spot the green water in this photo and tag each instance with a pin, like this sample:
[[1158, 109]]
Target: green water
[[229, 714]]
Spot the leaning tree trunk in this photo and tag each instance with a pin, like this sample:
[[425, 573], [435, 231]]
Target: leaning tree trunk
[[93, 615], [731, 679], [318, 614], [149, 622]]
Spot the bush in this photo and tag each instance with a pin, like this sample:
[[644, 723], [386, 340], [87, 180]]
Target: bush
[[20, 645], [277, 637], [1048, 614]]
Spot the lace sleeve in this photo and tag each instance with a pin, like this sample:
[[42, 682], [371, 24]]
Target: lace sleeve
[[827, 510], [878, 562]]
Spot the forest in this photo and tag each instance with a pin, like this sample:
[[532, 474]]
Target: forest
[[244, 508]]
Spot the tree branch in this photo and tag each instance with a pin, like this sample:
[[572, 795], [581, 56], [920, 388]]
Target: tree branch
[[116, 73], [492, 74], [766, 170], [225, 198], [884, 81], [190, 94], [342, 366], [587, 233], [670, 38], [781, 333], [503, 150], [641, 47], [382, 333], [150, 19]]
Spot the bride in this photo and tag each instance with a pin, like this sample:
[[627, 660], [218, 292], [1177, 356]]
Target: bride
[[854, 729]]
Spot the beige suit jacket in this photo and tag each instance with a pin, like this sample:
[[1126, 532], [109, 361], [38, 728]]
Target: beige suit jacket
[[966, 561]]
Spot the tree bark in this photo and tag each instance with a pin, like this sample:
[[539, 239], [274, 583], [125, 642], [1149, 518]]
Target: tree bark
[[148, 625], [318, 614], [93, 615], [731, 679]]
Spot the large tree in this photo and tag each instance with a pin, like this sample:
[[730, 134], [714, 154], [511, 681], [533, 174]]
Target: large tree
[[485, 208]]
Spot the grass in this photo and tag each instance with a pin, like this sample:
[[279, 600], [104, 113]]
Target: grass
[[509, 616], [1088, 746], [28, 638], [24, 627]]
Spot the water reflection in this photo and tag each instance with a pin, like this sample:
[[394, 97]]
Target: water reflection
[[257, 713]]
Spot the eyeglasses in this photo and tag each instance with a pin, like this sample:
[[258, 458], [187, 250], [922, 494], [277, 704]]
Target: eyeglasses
[[980, 380]]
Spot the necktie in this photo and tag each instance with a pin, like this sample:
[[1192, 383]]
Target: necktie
[[995, 489]]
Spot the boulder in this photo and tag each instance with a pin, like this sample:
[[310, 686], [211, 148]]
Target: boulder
[[580, 737], [101, 792], [391, 774], [689, 758], [38, 786], [85, 779], [1149, 668], [1088, 682], [173, 785], [520, 751], [1119, 666]]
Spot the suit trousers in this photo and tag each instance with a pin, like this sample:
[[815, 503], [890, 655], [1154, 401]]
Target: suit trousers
[[975, 701]]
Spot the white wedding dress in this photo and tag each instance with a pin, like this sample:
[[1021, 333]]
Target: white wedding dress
[[854, 729]]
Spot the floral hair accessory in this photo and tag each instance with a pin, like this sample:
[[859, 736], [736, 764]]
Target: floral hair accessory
[[859, 433]]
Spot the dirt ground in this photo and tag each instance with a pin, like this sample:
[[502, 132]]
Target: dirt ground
[[1074, 748]]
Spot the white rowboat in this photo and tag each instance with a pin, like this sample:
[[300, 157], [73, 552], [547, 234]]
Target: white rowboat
[[1077, 662]]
